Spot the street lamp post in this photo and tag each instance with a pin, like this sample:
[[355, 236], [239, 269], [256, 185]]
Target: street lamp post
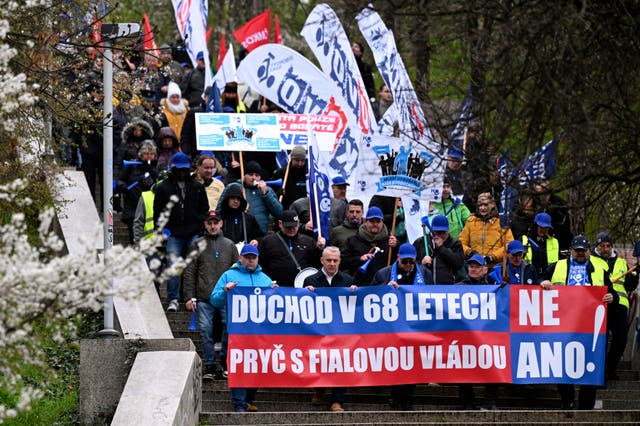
[[109, 33]]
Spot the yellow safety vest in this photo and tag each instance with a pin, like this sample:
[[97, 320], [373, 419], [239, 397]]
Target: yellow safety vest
[[553, 250], [561, 272], [619, 268], [148, 197]]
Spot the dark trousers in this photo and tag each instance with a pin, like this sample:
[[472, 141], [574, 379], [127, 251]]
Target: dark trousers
[[586, 396], [617, 328], [467, 397]]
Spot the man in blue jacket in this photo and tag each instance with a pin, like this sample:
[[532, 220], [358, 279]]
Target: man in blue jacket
[[245, 273]]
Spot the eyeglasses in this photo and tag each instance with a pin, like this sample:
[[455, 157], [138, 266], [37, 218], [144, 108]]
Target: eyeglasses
[[407, 261]]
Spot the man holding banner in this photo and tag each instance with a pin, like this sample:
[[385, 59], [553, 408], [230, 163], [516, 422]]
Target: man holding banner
[[579, 270], [403, 271], [329, 276], [245, 273]]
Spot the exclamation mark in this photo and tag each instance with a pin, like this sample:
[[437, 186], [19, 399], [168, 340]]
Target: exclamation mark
[[599, 319]]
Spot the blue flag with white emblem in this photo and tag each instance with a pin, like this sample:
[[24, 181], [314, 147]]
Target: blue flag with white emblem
[[319, 195]]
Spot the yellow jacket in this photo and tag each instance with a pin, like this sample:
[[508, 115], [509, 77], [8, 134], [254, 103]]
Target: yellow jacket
[[486, 237]]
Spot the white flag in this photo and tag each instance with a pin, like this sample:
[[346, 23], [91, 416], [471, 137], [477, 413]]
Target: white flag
[[191, 18]]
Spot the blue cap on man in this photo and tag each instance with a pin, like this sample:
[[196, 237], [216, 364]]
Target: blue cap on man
[[249, 249], [479, 259], [339, 180], [439, 223], [407, 251], [543, 219], [374, 213], [515, 246], [200, 55], [180, 160]]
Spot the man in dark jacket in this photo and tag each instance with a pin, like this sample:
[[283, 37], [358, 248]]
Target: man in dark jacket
[[192, 85], [296, 185], [478, 275], [329, 276], [340, 234], [280, 249], [445, 259], [215, 255], [239, 226], [186, 215], [519, 271], [371, 243], [404, 271]]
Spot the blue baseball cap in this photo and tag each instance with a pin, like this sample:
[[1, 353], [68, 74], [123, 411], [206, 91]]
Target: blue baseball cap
[[249, 249], [200, 55], [543, 219], [339, 180], [479, 259], [515, 246], [439, 223], [374, 213], [180, 160], [407, 250]]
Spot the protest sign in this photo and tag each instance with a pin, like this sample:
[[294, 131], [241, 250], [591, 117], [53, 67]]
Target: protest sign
[[375, 336]]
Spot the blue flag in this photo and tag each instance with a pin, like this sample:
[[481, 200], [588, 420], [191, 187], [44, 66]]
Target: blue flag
[[456, 136], [509, 194], [213, 103], [282, 158], [541, 165], [319, 195]]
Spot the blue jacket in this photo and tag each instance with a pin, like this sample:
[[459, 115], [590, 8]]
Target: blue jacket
[[243, 276]]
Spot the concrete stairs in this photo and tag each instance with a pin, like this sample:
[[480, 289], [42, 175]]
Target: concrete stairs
[[433, 404]]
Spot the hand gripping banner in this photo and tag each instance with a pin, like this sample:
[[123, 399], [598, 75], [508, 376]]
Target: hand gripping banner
[[376, 336]]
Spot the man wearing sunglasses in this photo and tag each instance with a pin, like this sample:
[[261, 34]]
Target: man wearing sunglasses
[[403, 271]]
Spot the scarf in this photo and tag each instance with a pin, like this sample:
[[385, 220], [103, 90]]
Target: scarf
[[578, 273], [417, 280], [373, 238]]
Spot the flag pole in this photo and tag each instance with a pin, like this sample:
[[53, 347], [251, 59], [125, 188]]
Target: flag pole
[[284, 181], [244, 192], [393, 228], [315, 203]]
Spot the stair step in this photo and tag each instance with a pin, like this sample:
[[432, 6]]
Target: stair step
[[425, 417]]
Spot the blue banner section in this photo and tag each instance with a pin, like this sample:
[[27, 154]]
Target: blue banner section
[[565, 358], [368, 310]]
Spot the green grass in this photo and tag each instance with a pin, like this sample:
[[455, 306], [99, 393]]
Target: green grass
[[60, 409], [59, 405]]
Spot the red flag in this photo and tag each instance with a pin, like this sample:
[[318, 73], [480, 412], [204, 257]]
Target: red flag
[[222, 50], [147, 39], [277, 35], [255, 32], [208, 34], [96, 35]]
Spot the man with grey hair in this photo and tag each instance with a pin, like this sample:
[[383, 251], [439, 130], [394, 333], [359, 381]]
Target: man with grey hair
[[329, 276]]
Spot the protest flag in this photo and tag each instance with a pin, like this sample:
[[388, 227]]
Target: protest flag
[[255, 32], [457, 135], [541, 164], [222, 50], [191, 19], [213, 102], [277, 34], [147, 39], [226, 71], [319, 196]]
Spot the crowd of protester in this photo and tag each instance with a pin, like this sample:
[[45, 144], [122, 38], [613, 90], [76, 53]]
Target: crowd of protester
[[241, 227]]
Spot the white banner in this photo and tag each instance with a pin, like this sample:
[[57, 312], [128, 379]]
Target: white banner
[[328, 41], [291, 81], [262, 132], [411, 120], [191, 18]]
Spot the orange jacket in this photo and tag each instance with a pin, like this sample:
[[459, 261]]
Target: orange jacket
[[486, 237]]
